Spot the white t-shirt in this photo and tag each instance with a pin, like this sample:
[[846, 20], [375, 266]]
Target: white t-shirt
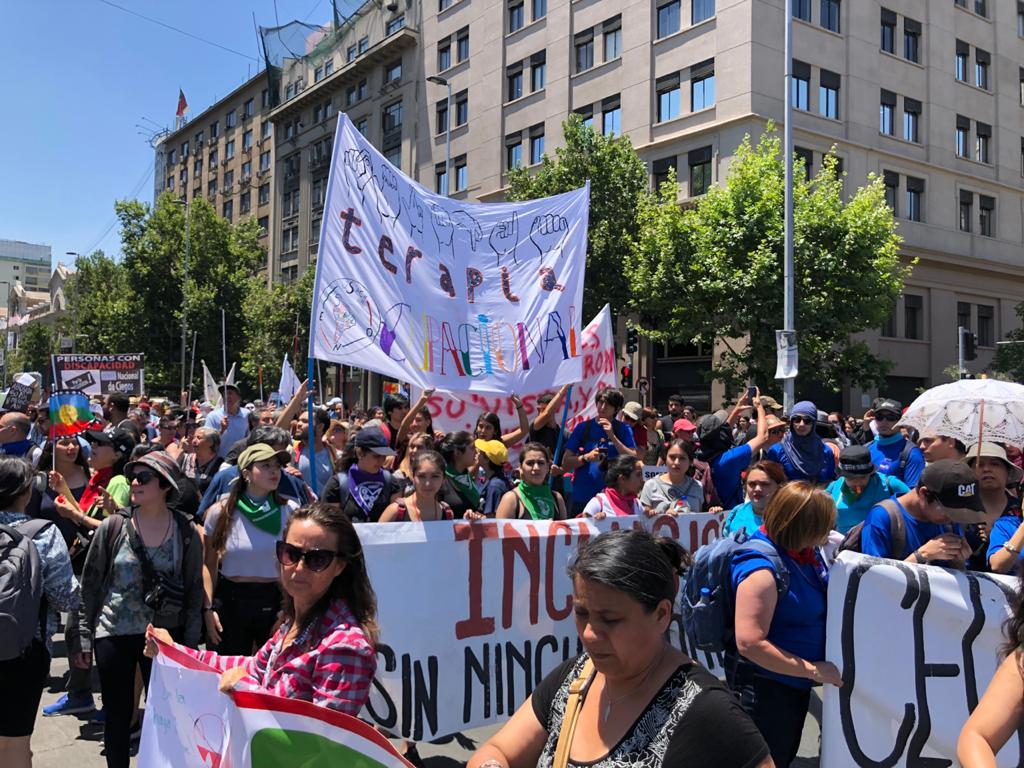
[[249, 552]]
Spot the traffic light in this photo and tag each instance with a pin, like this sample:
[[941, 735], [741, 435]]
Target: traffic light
[[970, 342], [632, 340], [627, 376]]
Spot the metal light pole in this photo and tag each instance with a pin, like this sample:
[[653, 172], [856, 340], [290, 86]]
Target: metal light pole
[[184, 295], [788, 282], [447, 131], [7, 334]]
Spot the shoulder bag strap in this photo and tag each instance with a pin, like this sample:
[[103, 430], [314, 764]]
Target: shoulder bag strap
[[577, 693], [135, 542], [897, 532]]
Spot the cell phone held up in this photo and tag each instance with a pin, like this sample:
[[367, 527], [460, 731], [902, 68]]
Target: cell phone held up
[[751, 394]]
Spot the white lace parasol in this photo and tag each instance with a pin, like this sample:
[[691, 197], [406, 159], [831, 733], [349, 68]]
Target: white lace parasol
[[955, 410]]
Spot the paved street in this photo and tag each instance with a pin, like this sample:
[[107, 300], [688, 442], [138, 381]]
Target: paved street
[[74, 742]]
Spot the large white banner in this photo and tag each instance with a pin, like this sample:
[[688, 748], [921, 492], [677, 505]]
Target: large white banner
[[474, 615], [460, 410], [917, 646], [446, 293]]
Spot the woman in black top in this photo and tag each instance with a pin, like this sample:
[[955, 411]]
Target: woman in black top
[[68, 476], [459, 490], [362, 487], [647, 704]]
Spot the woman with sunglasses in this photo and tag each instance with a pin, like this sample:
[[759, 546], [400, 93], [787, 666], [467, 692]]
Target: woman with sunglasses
[[144, 568], [324, 650], [424, 503], [802, 453], [533, 498], [240, 577]]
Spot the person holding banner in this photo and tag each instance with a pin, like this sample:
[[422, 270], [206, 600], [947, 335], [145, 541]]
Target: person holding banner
[[623, 478], [533, 498], [640, 700], [423, 504], [780, 635], [593, 441], [324, 650], [421, 441], [488, 425], [674, 492]]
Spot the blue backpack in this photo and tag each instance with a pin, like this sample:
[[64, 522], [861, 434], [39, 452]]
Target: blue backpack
[[708, 603]]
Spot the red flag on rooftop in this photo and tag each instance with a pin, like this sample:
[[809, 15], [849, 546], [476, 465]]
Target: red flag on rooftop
[[182, 104]]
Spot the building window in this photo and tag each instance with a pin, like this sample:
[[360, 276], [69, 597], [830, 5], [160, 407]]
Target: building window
[[981, 62], [668, 18], [963, 136], [701, 10], [211, 188], [584, 50], [215, 129], [184, 150], [983, 136], [913, 316], [461, 173], [892, 190], [802, 10], [802, 153], [915, 198], [699, 161], [462, 107], [212, 159], [513, 151], [966, 210], [350, 53], [702, 85], [981, 7], [986, 325], [317, 196], [266, 128], [443, 5], [537, 144], [197, 166], [393, 72], [888, 43], [247, 139], [441, 179], [538, 71], [462, 44], [828, 94], [660, 170], [350, 96], [887, 113], [172, 157], [611, 117], [292, 201], [265, 160], [363, 125], [963, 52], [231, 120], [245, 202], [539, 8], [911, 119], [246, 170], [613, 40], [229, 149], [444, 54], [394, 25], [229, 179], [986, 216], [328, 66], [667, 89], [586, 114], [514, 82], [391, 117], [801, 85], [442, 116], [364, 45], [911, 40], [263, 194], [516, 15], [228, 210], [830, 15], [1020, 20]]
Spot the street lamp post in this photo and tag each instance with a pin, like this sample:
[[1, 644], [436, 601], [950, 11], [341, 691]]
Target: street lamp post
[[788, 282], [184, 296], [447, 131], [7, 332]]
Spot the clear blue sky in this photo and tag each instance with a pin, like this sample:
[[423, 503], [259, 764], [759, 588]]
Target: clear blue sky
[[79, 75]]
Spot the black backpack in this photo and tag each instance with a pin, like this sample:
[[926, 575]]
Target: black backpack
[[897, 530]]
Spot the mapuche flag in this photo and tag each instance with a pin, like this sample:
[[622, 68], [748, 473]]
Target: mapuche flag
[[182, 104], [69, 413]]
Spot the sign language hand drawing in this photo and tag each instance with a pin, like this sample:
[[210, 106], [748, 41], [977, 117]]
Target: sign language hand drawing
[[444, 230], [504, 238], [468, 225], [414, 212], [360, 166], [389, 193], [349, 318], [547, 232]]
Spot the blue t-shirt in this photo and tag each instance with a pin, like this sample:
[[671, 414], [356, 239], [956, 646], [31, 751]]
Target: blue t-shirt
[[742, 516], [852, 510], [587, 480], [876, 536], [1002, 530], [237, 429], [324, 468], [491, 493], [885, 454], [727, 474], [826, 470], [798, 625]]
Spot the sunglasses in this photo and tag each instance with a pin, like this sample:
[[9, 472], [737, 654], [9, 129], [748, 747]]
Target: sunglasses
[[143, 476], [777, 432], [316, 559], [801, 420], [886, 417]]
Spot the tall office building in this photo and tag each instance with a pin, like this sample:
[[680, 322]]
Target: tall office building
[[25, 263]]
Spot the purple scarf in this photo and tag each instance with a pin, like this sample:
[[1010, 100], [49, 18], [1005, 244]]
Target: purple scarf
[[365, 488]]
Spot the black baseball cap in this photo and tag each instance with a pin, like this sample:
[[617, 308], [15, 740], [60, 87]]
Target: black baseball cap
[[373, 439], [954, 486], [855, 461], [121, 440], [888, 405]]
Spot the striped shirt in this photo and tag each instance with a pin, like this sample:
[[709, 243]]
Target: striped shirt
[[332, 666]]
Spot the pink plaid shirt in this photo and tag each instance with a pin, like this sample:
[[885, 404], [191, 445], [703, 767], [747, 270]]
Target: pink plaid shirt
[[333, 667]]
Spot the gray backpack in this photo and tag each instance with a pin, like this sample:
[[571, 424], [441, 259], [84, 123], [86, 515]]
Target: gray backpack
[[22, 601]]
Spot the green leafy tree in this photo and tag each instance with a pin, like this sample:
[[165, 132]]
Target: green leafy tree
[[618, 180], [712, 273], [1009, 359], [99, 300], [274, 319], [35, 345]]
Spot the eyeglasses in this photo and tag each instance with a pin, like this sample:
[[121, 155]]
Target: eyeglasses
[[883, 417], [801, 420], [316, 559], [777, 432], [142, 477]]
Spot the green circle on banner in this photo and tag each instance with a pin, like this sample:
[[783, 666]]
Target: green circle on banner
[[275, 747]]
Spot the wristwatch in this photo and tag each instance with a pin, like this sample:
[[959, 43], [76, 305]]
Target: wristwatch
[[917, 556]]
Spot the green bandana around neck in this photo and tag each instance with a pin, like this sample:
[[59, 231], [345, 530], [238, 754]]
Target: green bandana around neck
[[538, 500], [466, 486], [266, 515]]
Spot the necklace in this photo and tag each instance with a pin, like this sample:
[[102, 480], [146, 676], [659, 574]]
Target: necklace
[[138, 527], [612, 702]]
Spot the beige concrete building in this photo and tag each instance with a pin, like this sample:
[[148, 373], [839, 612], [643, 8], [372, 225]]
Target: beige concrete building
[[929, 95], [225, 154]]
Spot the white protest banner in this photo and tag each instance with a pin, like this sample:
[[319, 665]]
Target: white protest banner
[[492, 617], [460, 410], [444, 293], [652, 470], [908, 689]]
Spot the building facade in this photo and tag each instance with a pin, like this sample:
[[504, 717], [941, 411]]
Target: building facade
[[25, 263], [225, 155]]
